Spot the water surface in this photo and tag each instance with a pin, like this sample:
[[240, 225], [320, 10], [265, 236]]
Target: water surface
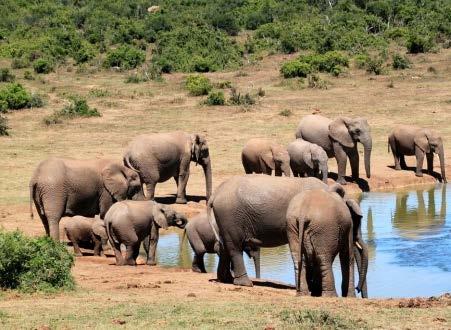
[[408, 235]]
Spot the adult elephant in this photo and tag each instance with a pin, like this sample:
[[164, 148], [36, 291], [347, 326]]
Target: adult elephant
[[159, 157], [265, 156], [339, 139], [406, 140], [253, 208], [68, 187]]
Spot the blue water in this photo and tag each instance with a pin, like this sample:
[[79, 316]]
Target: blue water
[[408, 235]]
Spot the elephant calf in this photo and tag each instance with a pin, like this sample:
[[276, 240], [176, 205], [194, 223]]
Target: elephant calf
[[202, 239], [87, 233], [307, 159], [412, 140], [130, 222], [323, 224], [264, 156]]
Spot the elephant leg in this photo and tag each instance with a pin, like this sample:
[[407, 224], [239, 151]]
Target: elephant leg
[[293, 243], [223, 270], [247, 167], [396, 158], [430, 162], [239, 270], [97, 247], [324, 265], [77, 250], [181, 188], [152, 246], [129, 254], [256, 257], [347, 267], [402, 162], [341, 157], [354, 161], [420, 158], [198, 263], [118, 254]]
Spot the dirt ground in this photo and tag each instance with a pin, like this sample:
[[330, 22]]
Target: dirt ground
[[173, 298]]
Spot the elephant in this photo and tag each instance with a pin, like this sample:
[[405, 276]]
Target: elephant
[[307, 159], [87, 233], [264, 156], [323, 224], [68, 187], [202, 239], [406, 140], [158, 157], [339, 139], [129, 222]]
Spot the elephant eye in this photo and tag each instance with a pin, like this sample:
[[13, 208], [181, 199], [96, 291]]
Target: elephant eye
[[357, 130]]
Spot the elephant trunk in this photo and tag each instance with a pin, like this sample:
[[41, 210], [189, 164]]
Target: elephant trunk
[[441, 156], [286, 169], [362, 266], [367, 145], [324, 171], [206, 165]]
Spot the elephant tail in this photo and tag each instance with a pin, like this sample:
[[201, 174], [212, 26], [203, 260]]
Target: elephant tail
[[110, 232], [128, 163], [32, 191], [301, 224], [212, 219]]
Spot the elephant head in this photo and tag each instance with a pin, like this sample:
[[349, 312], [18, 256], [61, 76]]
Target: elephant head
[[317, 159], [360, 247], [120, 181], [200, 155], [348, 131], [430, 141], [164, 216], [278, 160], [99, 230]]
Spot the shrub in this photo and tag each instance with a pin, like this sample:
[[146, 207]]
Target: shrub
[[237, 98], [78, 107], [15, 96], [215, 98], [286, 113], [198, 85], [3, 126], [317, 319], [315, 81], [124, 57], [42, 65], [261, 92], [36, 101], [295, 68], [327, 62], [6, 75], [375, 65], [360, 61], [224, 84], [419, 42], [3, 106], [400, 62], [133, 79], [28, 75], [34, 264], [19, 63]]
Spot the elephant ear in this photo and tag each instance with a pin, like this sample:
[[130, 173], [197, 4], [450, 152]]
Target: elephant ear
[[195, 147], [354, 208], [338, 131], [98, 228], [159, 215], [268, 159], [115, 181], [421, 141], [307, 158]]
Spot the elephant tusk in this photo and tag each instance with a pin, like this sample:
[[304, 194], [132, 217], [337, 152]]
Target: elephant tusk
[[358, 245], [145, 190]]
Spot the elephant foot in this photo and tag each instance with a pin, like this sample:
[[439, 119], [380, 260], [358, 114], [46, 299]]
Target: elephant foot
[[242, 281], [197, 269], [398, 168], [151, 263], [78, 254], [331, 293], [181, 200], [302, 293], [131, 262], [225, 278], [342, 181], [420, 175]]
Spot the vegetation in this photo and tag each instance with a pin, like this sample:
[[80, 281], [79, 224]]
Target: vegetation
[[198, 35], [34, 264], [236, 98], [3, 126], [317, 319], [198, 85], [78, 107], [215, 98], [6, 75], [400, 62], [332, 62], [14, 96]]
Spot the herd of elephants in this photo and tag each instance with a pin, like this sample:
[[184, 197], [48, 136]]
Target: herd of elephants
[[112, 203]]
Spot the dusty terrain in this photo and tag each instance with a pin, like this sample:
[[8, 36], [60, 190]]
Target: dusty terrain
[[143, 296]]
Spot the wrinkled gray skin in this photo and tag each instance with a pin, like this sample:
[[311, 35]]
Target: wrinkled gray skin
[[203, 240], [308, 159], [323, 225], [129, 222], [415, 141], [88, 233], [67, 187], [252, 208], [264, 156], [339, 139], [159, 157]]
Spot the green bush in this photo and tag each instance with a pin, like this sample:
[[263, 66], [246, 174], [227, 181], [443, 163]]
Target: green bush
[[327, 62], [78, 107], [237, 98], [198, 85], [400, 62], [375, 65], [295, 68], [315, 81], [36, 101], [215, 98], [6, 75], [42, 65], [124, 57], [3, 126], [15, 96], [419, 43], [360, 61], [224, 84], [3, 106], [28, 75], [34, 264], [19, 63]]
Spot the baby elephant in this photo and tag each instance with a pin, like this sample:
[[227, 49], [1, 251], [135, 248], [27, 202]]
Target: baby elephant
[[323, 224], [202, 240], [88, 233], [129, 222], [264, 156], [307, 159]]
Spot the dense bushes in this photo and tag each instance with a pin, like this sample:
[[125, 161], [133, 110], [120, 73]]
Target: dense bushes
[[332, 62], [13, 96], [215, 98], [34, 264], [124, 57], [198, 85], [295, 68], [42, 65], [400, 62]]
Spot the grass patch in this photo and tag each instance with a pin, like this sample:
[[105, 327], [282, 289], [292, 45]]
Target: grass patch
[[285, 113], [3, 126], [6, 75], [78, 107], [99, 92], [236, 98], [316, 319]]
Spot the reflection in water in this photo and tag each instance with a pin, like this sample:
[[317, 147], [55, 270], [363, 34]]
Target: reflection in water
[[408, 235]]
